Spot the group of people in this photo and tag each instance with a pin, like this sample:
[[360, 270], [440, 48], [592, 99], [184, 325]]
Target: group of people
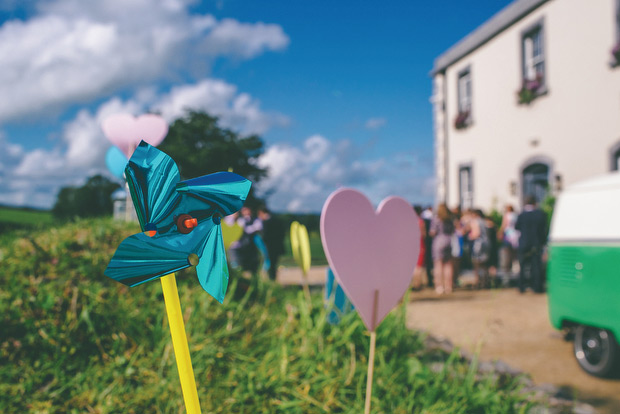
[[453, 241], [262, 240]]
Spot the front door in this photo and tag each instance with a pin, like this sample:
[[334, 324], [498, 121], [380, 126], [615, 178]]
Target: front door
[[536, 181]]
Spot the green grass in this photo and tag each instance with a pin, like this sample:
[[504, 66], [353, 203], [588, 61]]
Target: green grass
[[74, 341], [12, 219], [26, 217]]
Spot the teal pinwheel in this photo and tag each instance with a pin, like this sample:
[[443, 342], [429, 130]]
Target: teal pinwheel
[[180, 222]]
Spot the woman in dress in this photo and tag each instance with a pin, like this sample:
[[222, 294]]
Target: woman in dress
[[442, 230]]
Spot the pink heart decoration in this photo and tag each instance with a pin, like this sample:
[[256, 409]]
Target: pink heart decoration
[[125, 131], [370, 251]]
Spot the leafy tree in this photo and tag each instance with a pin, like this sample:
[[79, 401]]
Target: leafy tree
[[92, 199], [199, 147]]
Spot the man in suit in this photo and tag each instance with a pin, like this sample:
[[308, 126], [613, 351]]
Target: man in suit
[[532, 225], [274, 232]]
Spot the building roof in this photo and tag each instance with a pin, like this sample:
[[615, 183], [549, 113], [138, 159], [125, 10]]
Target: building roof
[[496, 24]]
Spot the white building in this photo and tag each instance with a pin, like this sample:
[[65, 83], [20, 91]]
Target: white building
[[493, 145]]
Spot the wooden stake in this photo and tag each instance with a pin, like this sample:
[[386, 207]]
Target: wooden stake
[[179, 343], [371, 354]]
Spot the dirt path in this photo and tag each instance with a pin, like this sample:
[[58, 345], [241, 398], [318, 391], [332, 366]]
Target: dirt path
[[502, 324], [514, 328]]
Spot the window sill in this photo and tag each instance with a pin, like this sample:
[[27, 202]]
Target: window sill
[[463, 126]]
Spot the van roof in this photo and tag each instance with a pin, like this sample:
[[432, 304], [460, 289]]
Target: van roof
[[588, 211], [601, 182]]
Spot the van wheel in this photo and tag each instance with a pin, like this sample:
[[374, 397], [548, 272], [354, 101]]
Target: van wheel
[[596, 350]]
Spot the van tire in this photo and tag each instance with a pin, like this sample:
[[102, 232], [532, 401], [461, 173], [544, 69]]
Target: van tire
[[596, 350]]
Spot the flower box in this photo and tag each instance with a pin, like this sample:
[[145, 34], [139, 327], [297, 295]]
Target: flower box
[[530, 90], [462, 120], [615, 53]]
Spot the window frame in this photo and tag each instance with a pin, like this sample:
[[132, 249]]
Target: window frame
[[617, 21], [466, 198], [615, 50], [614, 157], [464, 102], [464, 98], [534, 78], [529, 33]]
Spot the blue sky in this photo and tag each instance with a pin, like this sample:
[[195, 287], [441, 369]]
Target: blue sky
[[339, 91]]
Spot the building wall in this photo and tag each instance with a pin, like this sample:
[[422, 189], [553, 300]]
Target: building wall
[[573, 126]]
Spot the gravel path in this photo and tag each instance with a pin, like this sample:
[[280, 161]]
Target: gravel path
[[505, 325], [502, 325]]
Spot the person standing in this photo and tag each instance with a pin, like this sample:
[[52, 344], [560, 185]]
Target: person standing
[[532, 225], [420, 277], [510, 241], [442, 230], [274, 232], [245, 250], [478, 237], [427, 216]]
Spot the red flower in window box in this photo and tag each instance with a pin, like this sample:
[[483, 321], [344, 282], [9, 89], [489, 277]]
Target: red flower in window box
[[615, 52], [462, 120], [530, 89]]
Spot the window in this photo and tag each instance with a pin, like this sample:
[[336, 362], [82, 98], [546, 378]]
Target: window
[[464, 91], [615, 51], [533, 55], [466, 190], [463, 118], [533, 64], [615, 161], [617, 21], [614, 153]]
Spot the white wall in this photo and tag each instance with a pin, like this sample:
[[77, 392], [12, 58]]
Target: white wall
[[574, 125]]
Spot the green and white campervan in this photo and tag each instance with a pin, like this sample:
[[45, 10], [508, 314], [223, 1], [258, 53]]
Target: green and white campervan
[[583, 274]]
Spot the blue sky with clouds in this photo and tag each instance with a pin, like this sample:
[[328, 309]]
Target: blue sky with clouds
[[339, 91]]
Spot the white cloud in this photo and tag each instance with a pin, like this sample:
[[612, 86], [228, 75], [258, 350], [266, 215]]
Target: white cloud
[[238, 111], [35, 176], [80, 153], [375, 123], [244, 40], [301, 178], [75, 51]]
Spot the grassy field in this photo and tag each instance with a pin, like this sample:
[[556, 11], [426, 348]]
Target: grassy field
[[74, 341], [25, 216]]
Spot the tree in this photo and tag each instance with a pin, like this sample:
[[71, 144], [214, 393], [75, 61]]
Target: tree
[[92, 199], [199, 146]]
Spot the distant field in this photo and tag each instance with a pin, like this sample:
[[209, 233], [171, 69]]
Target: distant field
[[25, 217]]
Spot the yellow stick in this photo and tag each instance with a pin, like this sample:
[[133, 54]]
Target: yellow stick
[[179, 343]]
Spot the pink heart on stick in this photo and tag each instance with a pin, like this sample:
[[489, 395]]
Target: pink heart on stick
[[370, 251], [125, 131]]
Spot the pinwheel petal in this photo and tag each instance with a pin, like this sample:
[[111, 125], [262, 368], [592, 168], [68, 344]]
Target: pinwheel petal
[[224, 190], [152, 176], [141, 258], [164, 207], [213, 270]]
